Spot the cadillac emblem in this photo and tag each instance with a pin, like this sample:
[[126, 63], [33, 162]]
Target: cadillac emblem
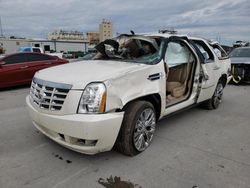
[[41, 95]]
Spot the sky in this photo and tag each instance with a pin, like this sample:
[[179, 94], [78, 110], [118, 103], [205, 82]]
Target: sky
[[225, 21]]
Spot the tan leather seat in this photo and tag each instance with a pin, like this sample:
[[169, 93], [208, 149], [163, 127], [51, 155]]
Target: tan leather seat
[[176, 82], [177, 89]]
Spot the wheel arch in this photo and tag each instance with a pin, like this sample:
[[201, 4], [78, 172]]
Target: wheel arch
[[223, 79], [154, 99]]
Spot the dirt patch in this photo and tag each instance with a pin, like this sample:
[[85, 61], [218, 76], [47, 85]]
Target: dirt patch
[[61, 158], [116, 182]]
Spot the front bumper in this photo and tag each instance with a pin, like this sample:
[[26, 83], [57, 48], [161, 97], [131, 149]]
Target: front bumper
[[84, 133], [241, 72]]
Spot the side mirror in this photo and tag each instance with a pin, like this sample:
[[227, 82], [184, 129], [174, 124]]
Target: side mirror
[[2, 63], [56, 57]]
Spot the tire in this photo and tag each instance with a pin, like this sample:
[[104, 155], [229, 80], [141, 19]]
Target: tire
[[137, 131], [216, 99]]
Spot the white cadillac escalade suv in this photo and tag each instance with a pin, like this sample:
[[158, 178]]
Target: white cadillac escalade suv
[[116, 99]]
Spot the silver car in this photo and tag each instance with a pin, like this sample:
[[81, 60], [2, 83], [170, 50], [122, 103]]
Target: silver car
[[240, 60]]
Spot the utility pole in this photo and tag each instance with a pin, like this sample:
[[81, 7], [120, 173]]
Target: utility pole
[[1, 29]]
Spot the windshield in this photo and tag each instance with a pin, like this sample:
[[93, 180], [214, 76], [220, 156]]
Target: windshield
[[130, 48], [240, 52], [87, 56]]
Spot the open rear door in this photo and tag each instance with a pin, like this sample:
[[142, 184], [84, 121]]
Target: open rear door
[[210, 74]]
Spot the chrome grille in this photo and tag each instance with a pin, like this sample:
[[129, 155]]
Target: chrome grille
[[48, 95]]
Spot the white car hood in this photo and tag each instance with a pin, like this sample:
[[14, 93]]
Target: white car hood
[[79, 74]]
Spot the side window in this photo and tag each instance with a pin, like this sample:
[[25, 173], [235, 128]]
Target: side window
[[217, 52], [203, 51], [14, 59], [177, 54], [206, 52], [220, 52], [38, 57], [36, 50], [27, 50]]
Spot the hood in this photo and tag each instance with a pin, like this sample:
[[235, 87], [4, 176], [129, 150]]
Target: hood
[[240, 60], [79, 74]]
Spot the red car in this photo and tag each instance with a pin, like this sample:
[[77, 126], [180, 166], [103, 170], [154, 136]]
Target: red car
[[19, 69]]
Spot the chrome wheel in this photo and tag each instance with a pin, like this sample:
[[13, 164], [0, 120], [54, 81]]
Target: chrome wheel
[[144, 129], [218, 94]]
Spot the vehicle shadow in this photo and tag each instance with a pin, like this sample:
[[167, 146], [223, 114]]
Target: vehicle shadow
[[239, 84], [174, 119], [13, 88]]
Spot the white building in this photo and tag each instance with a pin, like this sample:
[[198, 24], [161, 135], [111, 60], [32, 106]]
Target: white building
[[61, 45], [65, 35], [12, 45]]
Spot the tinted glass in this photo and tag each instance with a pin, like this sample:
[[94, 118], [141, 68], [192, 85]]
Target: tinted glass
[[14, 59], [203, 51], [27, 50], [206, 52], [240, 52], [38, 57], [36, 50], [219, 52]]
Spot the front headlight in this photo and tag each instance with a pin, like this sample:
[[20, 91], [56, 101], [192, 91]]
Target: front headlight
[[93, 99]]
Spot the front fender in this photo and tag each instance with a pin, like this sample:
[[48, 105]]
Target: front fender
[[135, 84]]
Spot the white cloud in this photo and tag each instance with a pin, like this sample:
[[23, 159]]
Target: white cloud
[[31, 18]]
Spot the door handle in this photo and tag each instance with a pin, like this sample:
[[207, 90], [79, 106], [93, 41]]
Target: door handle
[[206, 77], [48, 63], [205, 73], [24, 67]]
